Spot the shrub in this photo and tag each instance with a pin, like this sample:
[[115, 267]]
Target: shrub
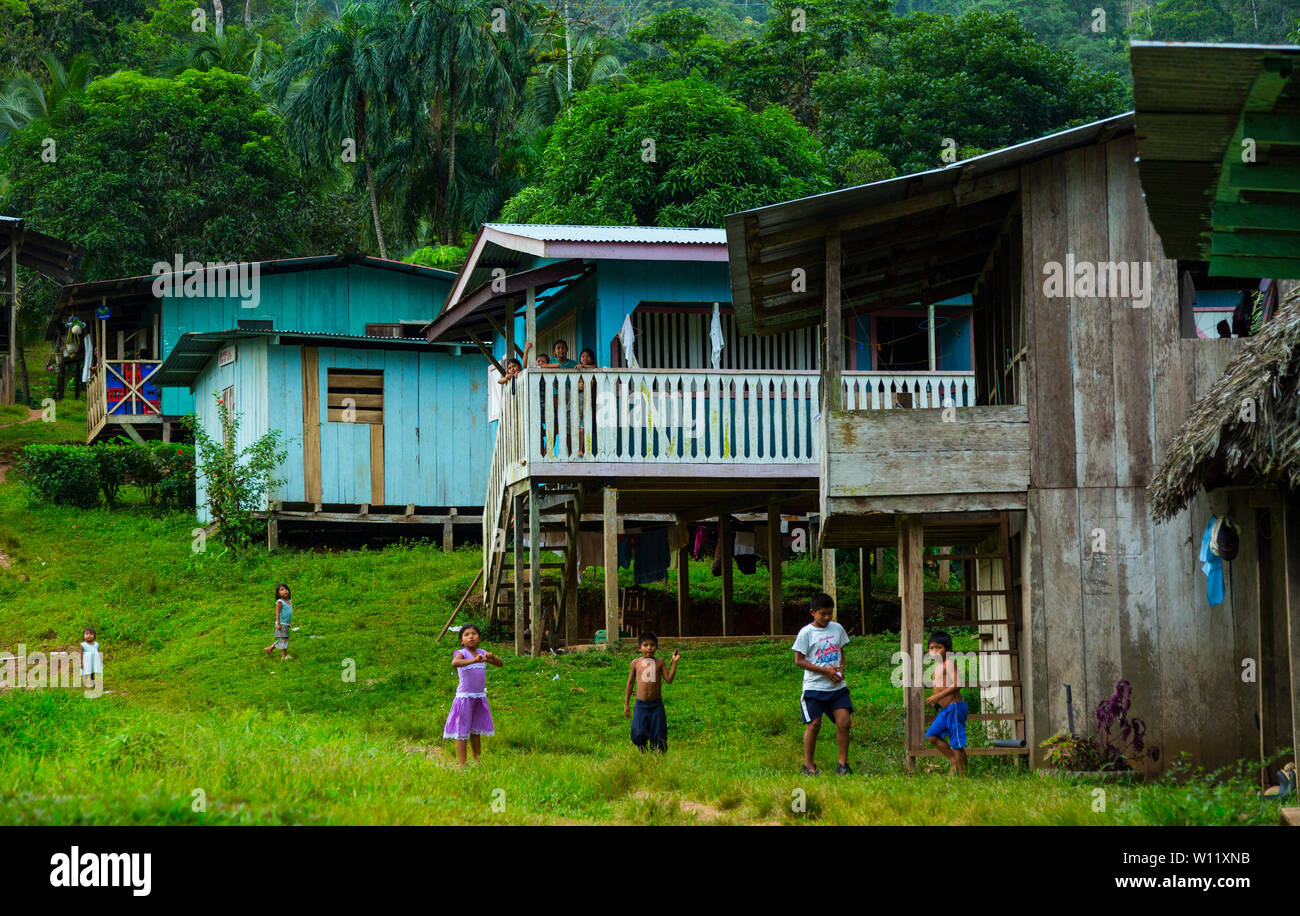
[[75, 475], [65, 475], [237, 481], [1065, 751]]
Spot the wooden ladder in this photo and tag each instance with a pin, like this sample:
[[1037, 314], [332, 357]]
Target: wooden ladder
[[537, 513], [1011, 619]]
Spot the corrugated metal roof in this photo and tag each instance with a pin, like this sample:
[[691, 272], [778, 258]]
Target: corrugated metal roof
[[192, 352], [614, 234]]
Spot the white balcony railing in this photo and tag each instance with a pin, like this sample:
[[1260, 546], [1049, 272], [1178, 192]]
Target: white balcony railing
[[620, 416]]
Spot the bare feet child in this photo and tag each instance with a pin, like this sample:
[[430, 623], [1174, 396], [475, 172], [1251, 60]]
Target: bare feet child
[[283, 617], [819, 651], [470, 718], [948, 730], [649, 721], [92, 666]]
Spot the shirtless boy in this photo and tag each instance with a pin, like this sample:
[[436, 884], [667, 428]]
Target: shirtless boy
[[649, 722], [948, 730]]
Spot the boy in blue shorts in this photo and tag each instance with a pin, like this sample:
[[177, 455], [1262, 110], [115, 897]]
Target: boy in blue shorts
[[819, 651], [948, 730]]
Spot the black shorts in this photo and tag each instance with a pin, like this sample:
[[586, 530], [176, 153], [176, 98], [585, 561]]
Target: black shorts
[[816, 703]]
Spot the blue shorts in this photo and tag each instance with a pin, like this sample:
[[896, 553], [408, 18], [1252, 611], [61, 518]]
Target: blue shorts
[[816, 703], [950, 723]]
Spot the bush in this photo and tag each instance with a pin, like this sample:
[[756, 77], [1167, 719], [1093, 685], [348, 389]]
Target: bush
[[76, 475], [65, 475]]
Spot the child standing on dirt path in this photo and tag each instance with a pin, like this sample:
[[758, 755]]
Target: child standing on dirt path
[[819, 651], [283, 617], [92, 666], [470, 718], [649, 722]]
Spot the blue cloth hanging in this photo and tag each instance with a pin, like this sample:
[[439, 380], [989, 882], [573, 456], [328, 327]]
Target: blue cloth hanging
[[651, 557], [1212, 566]]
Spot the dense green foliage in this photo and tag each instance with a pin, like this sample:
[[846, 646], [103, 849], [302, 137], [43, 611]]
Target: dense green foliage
[[236, 481], [205, 173], [76, 475], [679, 153]]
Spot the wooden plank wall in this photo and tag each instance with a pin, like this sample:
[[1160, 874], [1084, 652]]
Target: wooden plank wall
[[1109, 594]]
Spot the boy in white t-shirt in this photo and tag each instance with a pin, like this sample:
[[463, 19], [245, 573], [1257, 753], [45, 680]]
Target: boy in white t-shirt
[[819, 651]]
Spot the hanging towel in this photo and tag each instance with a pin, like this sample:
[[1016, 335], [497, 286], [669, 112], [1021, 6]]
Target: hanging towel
[[699, 542], [678, 537], [627, 337], [747, 563], [744, 544], [1212, 566], [651, 552], [626, 549], [87, 362], [716, 341]]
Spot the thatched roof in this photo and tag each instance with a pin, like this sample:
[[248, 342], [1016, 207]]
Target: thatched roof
[[1217, 445]]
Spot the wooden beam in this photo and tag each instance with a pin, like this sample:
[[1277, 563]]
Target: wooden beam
[[509, 338], [726, 544], [535, 571], [1290, 605], [520, 621], [864, 590], [311, 426], [833, 346], [828, 579], [377, 464], [572, 573], [1278, 268], [1271, 127], [530, 317], [776, 602], [1254, 177], [478, 342], [911, 593], [610, 532], [683, 591]]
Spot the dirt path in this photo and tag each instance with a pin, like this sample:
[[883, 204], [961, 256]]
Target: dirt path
[[33, 414]]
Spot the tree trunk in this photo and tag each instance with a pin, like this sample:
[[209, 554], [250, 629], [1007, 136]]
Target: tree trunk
[[248, 12], [451, 167], [60, 374], [374, 210]]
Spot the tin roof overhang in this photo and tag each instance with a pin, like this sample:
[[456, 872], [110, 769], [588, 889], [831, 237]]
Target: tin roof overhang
[[919, 237], [45, 254]]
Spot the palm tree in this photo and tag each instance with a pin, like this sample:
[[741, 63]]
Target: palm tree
[[232, 51], [340, 82], [459, 59], [25, 99], [562, 71]]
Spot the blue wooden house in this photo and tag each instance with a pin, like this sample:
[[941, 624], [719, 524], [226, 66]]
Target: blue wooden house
[[133, 323], [329, 351]]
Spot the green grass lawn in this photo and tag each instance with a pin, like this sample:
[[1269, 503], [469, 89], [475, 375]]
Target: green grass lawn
[[199, 726]]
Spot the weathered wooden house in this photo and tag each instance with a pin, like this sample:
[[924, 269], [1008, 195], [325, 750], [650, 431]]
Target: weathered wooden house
[[134, 323], [1217, 142], [685, 418], [1037, 486]]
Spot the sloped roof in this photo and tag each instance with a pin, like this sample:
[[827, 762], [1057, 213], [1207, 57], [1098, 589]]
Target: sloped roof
[[928, 231], [37, 251]]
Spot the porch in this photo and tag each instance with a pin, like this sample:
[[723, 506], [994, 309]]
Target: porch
[[121, 394]]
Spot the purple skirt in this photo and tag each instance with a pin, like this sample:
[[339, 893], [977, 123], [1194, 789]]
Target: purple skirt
[[468, 716]]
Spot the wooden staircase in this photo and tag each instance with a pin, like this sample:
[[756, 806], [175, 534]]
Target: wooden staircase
[[993, 607], [521, 590]]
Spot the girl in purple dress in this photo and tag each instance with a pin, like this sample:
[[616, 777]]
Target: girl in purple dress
[[470, 717]]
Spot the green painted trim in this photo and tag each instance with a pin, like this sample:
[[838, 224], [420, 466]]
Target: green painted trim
[[1263, 178], [1255, 216], [1277, 268], [1256, 244]]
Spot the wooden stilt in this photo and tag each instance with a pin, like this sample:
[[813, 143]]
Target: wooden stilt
[[683, 592], [520, 622], [864, 589], [448, 541], [572, 573], [911, 593], [828, 579], [537, 622], [726, 540], [611, 568], [272, 531], [1291, 607], [776, 601]]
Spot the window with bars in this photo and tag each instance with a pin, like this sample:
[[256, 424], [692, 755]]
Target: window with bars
[[355, 396]]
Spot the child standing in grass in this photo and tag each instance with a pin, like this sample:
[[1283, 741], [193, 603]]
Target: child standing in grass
[[470, 717], [948, 730], [283, 617], [92, 665], [819, 651], [649, 722]]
